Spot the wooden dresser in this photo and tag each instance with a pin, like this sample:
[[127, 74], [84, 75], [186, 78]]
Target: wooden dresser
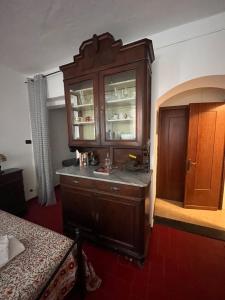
[[108, 212], [12, 197]]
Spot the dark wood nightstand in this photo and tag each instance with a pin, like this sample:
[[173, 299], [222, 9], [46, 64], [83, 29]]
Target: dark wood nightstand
[[12, 198]]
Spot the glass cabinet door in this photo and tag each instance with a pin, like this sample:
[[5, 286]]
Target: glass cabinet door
[[120, 106], [83, 113]]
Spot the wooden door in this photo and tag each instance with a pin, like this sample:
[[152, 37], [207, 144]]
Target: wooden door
[[205, 155], [173, 123]]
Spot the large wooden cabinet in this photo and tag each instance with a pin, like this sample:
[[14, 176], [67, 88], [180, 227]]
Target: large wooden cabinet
[[108, 97]]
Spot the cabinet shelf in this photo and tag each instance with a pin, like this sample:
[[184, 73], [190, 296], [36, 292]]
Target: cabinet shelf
[[120, 120], [80, 91], [84, 123], [125, 82], [83, 106], [127, 101]]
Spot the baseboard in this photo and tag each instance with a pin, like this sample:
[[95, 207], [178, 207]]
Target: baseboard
[[192, 228], [57, 186], [200, 207]]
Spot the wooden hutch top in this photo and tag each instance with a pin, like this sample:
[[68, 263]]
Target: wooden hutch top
[[102, 51]]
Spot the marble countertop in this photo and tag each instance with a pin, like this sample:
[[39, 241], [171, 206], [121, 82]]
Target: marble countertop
[[137, 178]]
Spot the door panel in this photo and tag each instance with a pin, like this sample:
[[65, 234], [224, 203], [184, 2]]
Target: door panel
[[205, 155], [173, 123], [78, 208], [124, 225], [205, 150]]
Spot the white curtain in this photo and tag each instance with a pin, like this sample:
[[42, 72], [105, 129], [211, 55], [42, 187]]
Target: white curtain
[[37, 90]]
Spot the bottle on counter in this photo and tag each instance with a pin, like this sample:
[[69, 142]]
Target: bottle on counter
[[109, 135], [77, 157], [81, 159], [85, 159], [108, 164], [93, 161]]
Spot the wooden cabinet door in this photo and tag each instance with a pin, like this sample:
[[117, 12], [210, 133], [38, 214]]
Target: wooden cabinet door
[[122, 99], [81, 96], [78, 208], [119, 221], [205, 155]]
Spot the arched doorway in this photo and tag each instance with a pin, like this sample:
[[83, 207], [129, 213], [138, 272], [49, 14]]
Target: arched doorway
[[204, 89]]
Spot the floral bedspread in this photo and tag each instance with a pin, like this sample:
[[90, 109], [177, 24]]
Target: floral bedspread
[[26, 275]]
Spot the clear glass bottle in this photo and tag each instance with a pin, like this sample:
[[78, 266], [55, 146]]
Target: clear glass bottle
[[108, 162]]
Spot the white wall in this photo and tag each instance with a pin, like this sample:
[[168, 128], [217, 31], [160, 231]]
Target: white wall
[[15, 127], [55, 85], [182, 53], [58, 139], [199, 95]]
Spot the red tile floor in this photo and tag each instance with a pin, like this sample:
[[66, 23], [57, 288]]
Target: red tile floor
[[179, 265]]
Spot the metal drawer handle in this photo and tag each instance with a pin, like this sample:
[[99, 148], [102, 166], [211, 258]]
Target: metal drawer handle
[[76, 181], [115, 188]]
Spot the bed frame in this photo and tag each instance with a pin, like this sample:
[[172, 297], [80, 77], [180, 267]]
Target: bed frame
[[80, 285]]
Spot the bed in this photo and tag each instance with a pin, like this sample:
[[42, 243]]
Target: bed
[[46, 269]]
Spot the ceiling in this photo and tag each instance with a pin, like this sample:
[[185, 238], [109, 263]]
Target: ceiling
[[40, 35]]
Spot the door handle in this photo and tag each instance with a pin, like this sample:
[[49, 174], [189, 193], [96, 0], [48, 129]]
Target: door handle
[[190, 163]]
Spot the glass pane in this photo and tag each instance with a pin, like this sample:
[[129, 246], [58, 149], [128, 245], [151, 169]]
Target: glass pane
[[82, 106], [120, 106]]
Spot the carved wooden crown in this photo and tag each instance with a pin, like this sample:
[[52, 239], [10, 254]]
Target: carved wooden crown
[[102, 50], [98, 44]]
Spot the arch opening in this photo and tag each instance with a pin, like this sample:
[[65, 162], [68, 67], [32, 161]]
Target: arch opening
[[202, 89]]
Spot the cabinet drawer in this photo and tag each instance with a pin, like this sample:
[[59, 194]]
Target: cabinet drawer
[[77, 182], [119, 189]]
